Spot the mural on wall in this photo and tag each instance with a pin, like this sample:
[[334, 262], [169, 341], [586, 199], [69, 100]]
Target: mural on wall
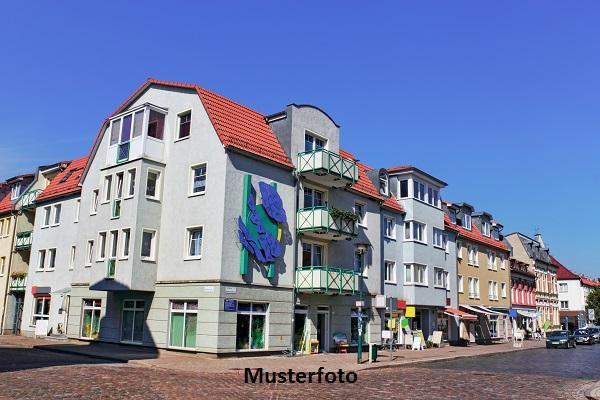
[[260, 227]]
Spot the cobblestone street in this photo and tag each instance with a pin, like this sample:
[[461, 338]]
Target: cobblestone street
[[32, 374]]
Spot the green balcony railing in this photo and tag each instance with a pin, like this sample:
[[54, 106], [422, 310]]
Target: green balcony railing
[[18, 284], [323, 220], [24, 240], [28, 199], [325, 162], [326, 280]]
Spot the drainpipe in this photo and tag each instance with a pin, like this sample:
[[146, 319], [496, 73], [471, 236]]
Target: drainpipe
[[295, 247], [12, 243]]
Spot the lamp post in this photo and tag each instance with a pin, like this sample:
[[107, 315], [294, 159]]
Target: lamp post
[[361, 249]]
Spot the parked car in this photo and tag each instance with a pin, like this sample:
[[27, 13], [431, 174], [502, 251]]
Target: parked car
[[558, 339], [595, 331], [584, 336]]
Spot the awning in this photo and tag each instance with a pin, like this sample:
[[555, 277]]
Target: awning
[[491, 311], [477, 310], [453, 312], [528, 314]]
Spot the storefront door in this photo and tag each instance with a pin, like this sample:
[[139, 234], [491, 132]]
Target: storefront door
[[323, 329], [300, 329], [18, 313]]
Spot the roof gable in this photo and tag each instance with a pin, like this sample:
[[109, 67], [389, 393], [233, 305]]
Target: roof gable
[[66, 182], [474, 234]]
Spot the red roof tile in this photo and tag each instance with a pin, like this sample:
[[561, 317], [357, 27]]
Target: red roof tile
[[400, 168], [5, 203], [589, 282], [474, 234], [70, 185], [564, 273]]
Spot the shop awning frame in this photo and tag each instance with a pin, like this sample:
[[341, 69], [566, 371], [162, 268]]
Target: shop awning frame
[[453, 312]]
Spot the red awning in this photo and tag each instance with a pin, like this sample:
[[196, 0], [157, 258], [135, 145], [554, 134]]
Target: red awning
[[460, 314]]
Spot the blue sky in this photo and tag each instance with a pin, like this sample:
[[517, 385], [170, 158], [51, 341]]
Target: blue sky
[[499, 99]]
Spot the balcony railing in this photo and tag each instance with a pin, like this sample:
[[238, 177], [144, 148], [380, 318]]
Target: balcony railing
[[324, 220], [326, 280], [28, 199], [18, 284], [324, 162], [23, 241]]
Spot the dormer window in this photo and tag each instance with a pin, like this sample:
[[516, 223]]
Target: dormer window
[[452, 215], [15, 191], [485, 228], [495, 233], [466, 221], [383, 184], [418, 190], [312, 142]]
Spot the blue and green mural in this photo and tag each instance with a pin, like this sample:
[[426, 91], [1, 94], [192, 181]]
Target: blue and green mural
[[260, 227]]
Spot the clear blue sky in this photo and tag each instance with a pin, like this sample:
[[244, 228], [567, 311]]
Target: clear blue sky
[[499, 99]]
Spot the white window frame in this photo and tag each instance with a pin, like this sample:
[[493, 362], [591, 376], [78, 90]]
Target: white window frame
[[503, 289], [2, 265], [45, 299], [15, 190], [474, 261], [502, 261], [56, 212], [461, 284], [41, 262], [152, 256], [564, 303], [314, 136], [185, 310], [413, 267], [188, 238], [411, 228], [390, 272], [51, 258], [178, 126], [362, 218], [313, 189], [89, 253], [252, 313], [101, 248], [94, 202], [193, 168], [485, 228], [77, 210], [444, 278], [125, 233], [467, 218], [419, 184], [107, 189], [157, 193], [312, 244], [72, 255], [563, 285], [473, 287], [438, 236], [459, 249], [47, 217], [392, 234], [129, 192]]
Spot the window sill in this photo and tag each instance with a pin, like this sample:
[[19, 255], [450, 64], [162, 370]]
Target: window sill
[[440, 287], [128, 197], [94, 213], [197, 194], [416, 241], [196, 258], [181, 139], [49, 269], [53, 225], [115, 217], [154, 199], [416, 284], [390, 283], [148, 260], [124, 258], [40, 270], [87, 266], [389, 237], [45, 226]]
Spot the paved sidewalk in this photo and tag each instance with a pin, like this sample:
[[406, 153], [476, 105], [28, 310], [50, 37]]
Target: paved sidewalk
[[191, 362], [592, 391]]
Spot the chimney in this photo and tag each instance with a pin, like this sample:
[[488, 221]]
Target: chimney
[[538, 238]]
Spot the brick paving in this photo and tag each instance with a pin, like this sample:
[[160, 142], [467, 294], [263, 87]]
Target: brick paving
[[34, 374]]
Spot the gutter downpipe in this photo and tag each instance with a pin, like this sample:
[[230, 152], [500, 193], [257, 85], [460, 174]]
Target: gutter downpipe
[[295, 233], [12, 243]]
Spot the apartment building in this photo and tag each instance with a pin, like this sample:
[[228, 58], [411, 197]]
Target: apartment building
[[428, 252], [522, 294], [533, 251], [573, 290], [17, 210], [53, 252], [483, 271]]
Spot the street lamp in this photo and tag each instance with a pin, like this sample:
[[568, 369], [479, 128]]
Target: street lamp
[[361, 249]]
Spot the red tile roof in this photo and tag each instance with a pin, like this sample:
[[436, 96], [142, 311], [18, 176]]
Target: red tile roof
[[58, 188], [5, 203], [589, 282], [238, 127], [474, 234], [564, 273], [400, 168], [365, 186]]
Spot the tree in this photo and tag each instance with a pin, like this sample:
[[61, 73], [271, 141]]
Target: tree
[[593, 301]]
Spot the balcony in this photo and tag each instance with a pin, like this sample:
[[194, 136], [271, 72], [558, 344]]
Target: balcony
[[28, 199], [328, 168], [18, 282], [326, 280], [326, 223], [23, 241]]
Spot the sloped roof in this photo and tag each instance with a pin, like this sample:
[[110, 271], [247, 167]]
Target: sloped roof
[[238, 127], [66, 182], [589, 282], [564, 273], [474, 234], [365, 186], [403, 168], [5, 203]]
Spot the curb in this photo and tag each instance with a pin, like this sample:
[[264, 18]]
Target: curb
[[592, 392], [77, 353]]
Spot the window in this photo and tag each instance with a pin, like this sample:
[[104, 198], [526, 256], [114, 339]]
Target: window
[[414, 230], [47, 213], [361, 214], [495, 233], [383, 184], [563, 287], [77, 208], [452, 215], [101, 246], [107, 188], [114, 236], [433, 196], [460, 284], [119, 186], [564, 304], [41, 309], [404, 188], [72, 258], [491, 259], [485, 228], [90, 320], [313, 198], [57, 211], [94, 207], [503, 289], [125, 240], [147, 250], [41, 259], [156, 125], [250, 330], [89, 253], [440, 278], [131, 183], [502, 261], [132, 327], [459, 249], [360, 266], [6, 227], [466, 221], [198, 179], [194, 239], [473, 256], [185, 123], [312, 255], [493, 290], [15, 191], [438, 238], [115, 129], [418, 190], [415, 274], [2, 265], [312, 143], [389, 227], [473, 288], [390, 271], [152, 184], [51, 258]]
